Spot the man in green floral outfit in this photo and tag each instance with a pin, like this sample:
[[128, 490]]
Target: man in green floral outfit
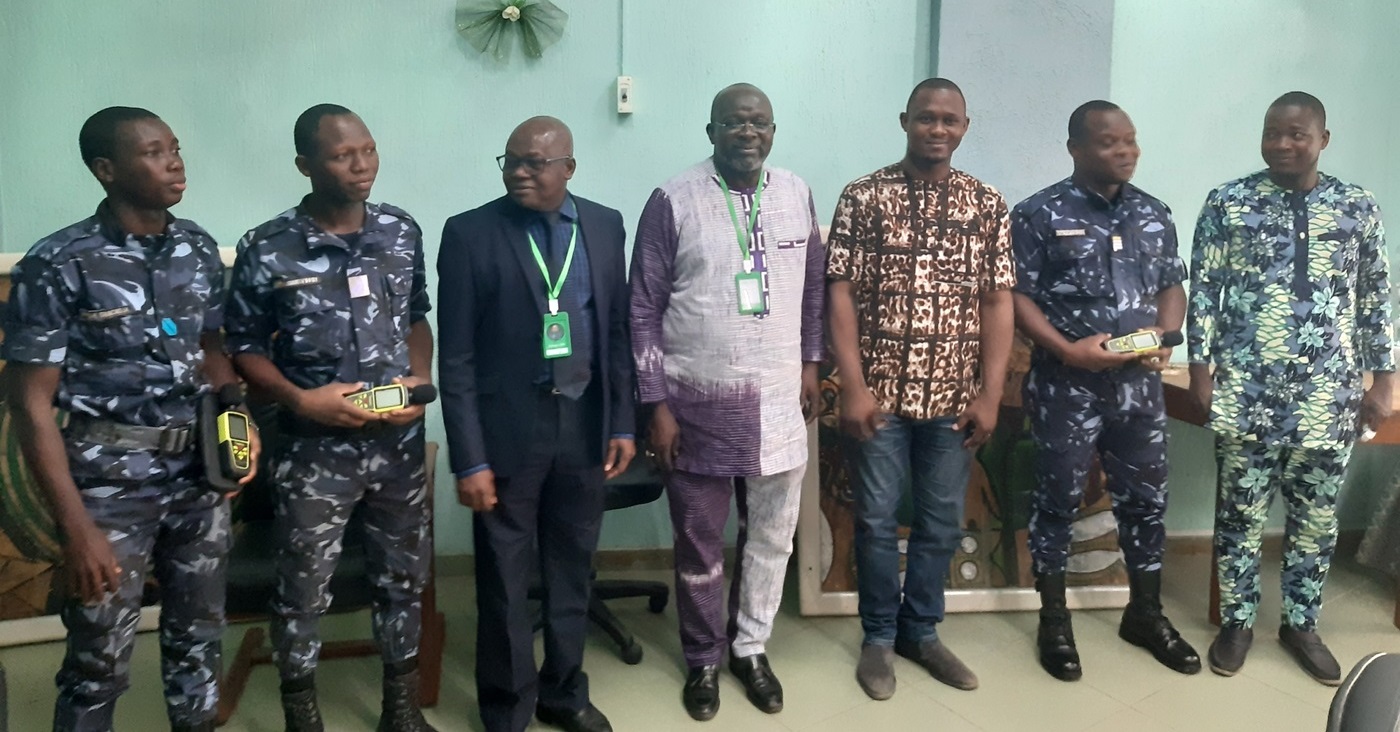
[[1290, 304]]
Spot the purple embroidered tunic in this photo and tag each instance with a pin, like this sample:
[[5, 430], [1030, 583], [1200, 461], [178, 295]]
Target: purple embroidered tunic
[[732, 381]]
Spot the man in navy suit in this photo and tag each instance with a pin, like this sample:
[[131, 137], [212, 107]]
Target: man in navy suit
[[537, 396]]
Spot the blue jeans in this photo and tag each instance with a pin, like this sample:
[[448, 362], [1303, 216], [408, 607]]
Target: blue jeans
[[940, 466]]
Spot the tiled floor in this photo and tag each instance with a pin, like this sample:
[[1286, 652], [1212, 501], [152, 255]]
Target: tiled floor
[[1123, 690]]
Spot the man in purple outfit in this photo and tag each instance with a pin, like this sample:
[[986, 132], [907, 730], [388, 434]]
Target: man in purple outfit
[[727, 288]]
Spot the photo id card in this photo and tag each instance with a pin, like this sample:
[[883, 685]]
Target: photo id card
[[557, 343], [750, 287]]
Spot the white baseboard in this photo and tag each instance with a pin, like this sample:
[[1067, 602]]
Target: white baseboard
[[49, 628]]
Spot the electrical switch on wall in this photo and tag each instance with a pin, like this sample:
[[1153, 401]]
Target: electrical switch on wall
[[624, 95]]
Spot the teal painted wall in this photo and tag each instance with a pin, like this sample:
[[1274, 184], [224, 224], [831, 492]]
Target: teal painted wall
[[230, 78], [1196, 76]]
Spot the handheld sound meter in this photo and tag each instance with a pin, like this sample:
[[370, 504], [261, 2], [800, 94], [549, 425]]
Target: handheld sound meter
[[392, 397], [225, 439], [235, 455], [1143, 341]]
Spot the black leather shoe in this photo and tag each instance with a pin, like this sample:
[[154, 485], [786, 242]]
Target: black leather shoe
[[1054, 642], [205, 726], [762, 686], [588, 719], [1227, 651], [1310, 653], [701, 693]]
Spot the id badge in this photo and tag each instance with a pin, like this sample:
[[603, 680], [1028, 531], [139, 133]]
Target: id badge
[[750, 287], [557, 343], [359, 285]]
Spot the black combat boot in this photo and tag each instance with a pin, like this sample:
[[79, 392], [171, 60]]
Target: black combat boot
[[299, 705], [400, 711], [1054, 639], [1145, 626]]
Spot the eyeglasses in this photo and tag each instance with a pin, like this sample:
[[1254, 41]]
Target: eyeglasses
[[759, 126], [509, 162]]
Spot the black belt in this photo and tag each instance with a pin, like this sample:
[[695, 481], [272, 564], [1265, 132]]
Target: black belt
[[172, 440]]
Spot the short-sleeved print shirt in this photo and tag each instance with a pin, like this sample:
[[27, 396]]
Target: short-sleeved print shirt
[[919, 256]]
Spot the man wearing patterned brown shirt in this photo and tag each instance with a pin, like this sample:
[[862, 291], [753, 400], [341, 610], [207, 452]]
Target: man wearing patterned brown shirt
[[919, 273]]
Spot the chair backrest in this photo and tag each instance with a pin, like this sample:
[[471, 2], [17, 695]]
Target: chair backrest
[[1369, 699]]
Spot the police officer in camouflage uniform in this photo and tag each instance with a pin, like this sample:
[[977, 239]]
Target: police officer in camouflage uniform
[[115, 320], [325, 299], [1096, 258]]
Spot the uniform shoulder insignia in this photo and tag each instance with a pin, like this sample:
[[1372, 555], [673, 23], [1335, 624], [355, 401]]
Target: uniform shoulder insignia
[[192, 227], [387, 213], [393, 210], [272, 227], [72, 238]]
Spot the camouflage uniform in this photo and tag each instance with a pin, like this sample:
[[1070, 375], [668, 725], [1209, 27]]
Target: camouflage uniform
[[303, 285], [1094, 266], [121, 317]]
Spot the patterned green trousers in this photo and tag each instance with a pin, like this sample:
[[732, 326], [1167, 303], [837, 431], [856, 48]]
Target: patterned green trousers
[[1251, 472]]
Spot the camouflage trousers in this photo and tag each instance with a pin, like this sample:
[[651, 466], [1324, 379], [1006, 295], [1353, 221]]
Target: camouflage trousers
[[1251, 472], [320, 481], [182, 531], [1121, 416]]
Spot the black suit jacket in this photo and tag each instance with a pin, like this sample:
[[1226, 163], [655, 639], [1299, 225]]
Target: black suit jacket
[[491, 306]]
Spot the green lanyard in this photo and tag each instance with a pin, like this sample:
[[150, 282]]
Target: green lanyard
[[552, 291], [744, 235]]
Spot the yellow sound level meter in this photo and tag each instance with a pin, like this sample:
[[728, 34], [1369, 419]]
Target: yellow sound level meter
[[236, 448], [389, 398], [392, 397], [225, 439], [1139, 342], [1143, 341]]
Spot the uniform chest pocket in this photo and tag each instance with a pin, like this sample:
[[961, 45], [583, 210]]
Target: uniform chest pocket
[[185, 306], [315, 329], [1077, 268], [397, 290], [1151, 262], [118, 332]]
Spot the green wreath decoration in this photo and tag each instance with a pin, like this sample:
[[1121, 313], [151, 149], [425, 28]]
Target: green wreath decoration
[[492, 25]]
